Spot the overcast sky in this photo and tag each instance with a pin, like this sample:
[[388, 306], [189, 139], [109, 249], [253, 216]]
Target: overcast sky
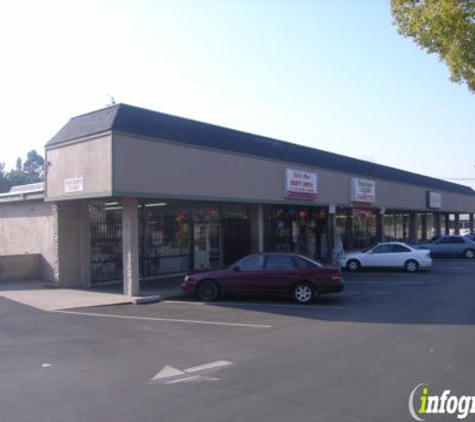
[[333, 75]]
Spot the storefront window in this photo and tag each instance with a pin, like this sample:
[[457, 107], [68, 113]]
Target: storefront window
[[396, 227], [296, 229], [166, 239], [208, 235], [205, 213], [364, 228], [236, 232], [389, 227], [443, 223], [343, 228], [235, 211], [425, 226], [430, 226], [106, 241]]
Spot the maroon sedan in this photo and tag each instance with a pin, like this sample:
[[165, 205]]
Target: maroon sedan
[[279, 273]]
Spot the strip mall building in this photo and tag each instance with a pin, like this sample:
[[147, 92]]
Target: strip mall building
[[132, 193]]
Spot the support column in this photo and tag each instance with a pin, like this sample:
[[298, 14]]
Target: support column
[[457, 223], [332, 232], [130, 246], [260, 228], [379, 226], [413, 227], [447, 223], [73, 242], [437, 224], [85, 242], [471, 222], [256, 213]]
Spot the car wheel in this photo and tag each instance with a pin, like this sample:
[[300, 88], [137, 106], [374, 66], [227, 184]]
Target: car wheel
[[303, 292], [411, 266], [208, 290], [469, 253], [353, 265]]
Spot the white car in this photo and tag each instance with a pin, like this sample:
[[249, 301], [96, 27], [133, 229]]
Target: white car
[[388, 255]]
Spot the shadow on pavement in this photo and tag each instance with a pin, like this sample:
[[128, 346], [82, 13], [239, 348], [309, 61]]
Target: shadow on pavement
[[444, 295]]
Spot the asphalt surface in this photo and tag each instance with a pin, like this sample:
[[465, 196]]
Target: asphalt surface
[[353, 356]]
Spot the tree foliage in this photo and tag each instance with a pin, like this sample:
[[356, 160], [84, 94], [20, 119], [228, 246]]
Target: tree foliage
[[34, 167], [30, 171], [444, 27], [4, 182]]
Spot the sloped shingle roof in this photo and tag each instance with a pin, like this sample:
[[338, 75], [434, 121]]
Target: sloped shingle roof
[[139, 121]]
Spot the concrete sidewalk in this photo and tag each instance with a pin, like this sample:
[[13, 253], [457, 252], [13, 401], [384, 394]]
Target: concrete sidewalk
[[166, 287], [49, 298]]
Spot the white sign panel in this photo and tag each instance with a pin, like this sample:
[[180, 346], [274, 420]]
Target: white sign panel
[[363, 190], [434, 199], [300, 184], [74, 185]]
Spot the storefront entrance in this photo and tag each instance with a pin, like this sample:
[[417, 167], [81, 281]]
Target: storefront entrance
[[207, 246], [301, 230]]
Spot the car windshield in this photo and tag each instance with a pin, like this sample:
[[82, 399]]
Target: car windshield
[[369, 248], [312, 261]]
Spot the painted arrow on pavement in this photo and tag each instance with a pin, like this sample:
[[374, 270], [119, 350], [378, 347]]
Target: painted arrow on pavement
[[171, 375]]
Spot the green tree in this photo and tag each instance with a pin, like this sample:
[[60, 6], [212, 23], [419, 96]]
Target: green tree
[[34, 167], [31, 171], [444, 27], [4, 182]]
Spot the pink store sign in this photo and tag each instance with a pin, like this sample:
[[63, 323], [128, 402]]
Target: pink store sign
[[300, 184]]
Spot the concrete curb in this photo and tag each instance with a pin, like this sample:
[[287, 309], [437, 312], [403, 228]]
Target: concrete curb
[[146, 299]]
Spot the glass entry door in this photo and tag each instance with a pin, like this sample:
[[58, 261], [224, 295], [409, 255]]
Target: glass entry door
[[207, 246]]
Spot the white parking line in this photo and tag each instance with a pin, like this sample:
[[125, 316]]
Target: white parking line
[[367, 293], [183, 321], [254, 304], [412, 283]]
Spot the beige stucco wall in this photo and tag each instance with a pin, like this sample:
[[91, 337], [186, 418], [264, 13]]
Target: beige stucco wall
[[74, 244], [29, 227], [144, 167], [88, 159], [20, 267]]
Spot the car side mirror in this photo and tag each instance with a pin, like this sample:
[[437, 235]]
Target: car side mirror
[[236, 268]]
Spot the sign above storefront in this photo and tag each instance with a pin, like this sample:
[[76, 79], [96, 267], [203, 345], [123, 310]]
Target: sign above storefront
[[74, 185], [433, 199], [301, 184], [363, 190]]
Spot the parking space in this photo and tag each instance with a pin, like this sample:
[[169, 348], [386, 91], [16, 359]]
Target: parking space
[[245, 358]]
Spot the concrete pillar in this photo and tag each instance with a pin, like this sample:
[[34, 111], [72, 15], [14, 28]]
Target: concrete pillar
[[457, 223], [260, 228], [471, 223], [256, 214], [447, 223], [130, 246], [379, 227], [331, 224], [73, 244], [413, 227], [437, 223], [85, 242]]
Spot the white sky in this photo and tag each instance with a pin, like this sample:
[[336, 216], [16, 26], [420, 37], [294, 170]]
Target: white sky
[[331, 75]]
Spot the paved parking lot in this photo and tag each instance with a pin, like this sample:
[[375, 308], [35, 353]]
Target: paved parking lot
[[353, 356]]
